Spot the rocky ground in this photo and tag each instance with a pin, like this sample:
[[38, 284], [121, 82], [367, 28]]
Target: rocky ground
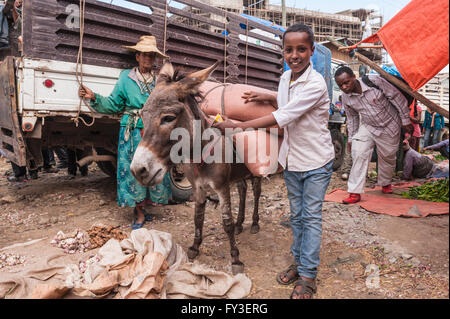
[[364, 255]]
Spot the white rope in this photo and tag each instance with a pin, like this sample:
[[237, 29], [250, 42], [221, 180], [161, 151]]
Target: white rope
[[79, 69]]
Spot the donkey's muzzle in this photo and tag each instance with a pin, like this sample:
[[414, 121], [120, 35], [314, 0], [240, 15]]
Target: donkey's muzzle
[[146, 168]]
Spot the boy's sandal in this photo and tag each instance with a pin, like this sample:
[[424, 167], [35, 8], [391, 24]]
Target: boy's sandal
[[309, 288], [288, 274]]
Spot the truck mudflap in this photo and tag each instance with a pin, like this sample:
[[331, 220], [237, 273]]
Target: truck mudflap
[[11, 139]]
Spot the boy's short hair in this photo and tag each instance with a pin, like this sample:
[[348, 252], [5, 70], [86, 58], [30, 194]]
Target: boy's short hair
[[342, 70], [301, 28]]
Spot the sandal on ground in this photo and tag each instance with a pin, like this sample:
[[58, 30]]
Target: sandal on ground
[[309, 288], [148, 217], [288, 274]]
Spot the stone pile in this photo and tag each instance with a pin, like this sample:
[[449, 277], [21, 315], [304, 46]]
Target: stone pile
[[76, 241]]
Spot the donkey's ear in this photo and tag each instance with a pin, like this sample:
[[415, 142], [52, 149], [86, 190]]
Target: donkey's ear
[[166, 73], [191, 83]]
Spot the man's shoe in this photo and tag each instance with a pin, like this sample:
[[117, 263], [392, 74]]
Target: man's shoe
[[387, 189], [352, 199]]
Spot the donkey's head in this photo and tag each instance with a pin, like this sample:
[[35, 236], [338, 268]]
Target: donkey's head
[[171, 105]]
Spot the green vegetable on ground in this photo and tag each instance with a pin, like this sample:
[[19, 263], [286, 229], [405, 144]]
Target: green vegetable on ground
[[434, 191]]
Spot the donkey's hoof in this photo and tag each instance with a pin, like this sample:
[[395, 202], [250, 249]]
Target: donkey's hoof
[[238, 229], [192, 253], [237, 268], [254, 229]]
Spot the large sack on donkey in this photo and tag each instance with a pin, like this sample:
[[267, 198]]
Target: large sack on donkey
[[230, 96], [257, 149]]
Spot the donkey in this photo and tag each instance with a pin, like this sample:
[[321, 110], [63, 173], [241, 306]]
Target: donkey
[[173, 104]]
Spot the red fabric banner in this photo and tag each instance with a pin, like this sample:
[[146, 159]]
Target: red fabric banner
[[417, 39]]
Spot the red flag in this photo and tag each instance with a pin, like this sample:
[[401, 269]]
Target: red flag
[[417, 39]]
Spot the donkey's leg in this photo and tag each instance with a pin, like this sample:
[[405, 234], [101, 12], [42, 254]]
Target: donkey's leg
[[256, 185], [225, 202], [200, 204], [242, 189]]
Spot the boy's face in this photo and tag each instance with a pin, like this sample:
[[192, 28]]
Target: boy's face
[[298, 51], [346, 82]]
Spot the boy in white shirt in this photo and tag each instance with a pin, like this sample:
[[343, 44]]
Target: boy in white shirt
[[306, 154]]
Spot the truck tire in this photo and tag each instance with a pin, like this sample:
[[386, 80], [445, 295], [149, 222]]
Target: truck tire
[[106, 167], [339, 148], [181, 187]]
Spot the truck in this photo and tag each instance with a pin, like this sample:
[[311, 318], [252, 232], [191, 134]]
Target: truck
[[39, 103]]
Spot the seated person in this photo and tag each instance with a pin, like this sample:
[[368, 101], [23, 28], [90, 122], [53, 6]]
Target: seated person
[[441, 147], [419, 166]]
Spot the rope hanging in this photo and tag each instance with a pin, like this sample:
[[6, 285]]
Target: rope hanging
[[165, 26], [79, 69], [246, 56], [225, 50]]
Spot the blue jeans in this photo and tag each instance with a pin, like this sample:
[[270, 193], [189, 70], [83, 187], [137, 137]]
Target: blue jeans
[[435, 140], [306, 192]]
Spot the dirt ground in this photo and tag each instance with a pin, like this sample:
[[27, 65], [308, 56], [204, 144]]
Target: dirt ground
[[412, 255]]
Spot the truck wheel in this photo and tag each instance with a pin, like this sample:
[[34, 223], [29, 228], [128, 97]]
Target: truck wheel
[[181, 187], [106, 167], [339, 148]]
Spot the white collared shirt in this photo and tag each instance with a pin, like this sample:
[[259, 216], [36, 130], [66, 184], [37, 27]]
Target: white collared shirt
[[303, 114]]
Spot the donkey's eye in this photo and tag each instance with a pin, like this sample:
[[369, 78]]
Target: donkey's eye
[[168, 119]]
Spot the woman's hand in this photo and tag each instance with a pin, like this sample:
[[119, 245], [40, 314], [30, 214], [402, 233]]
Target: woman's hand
[[86, 93], [251, 96]]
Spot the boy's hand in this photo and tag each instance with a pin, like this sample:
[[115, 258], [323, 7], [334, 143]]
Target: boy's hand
[[224, 125], [252, 96]]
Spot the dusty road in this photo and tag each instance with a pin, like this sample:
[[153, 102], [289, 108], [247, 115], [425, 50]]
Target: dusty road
[[412, 254]]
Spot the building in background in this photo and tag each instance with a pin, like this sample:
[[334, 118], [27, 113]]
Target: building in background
[[349, 27]]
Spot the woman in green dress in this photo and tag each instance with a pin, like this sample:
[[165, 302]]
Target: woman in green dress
[[129, 96]]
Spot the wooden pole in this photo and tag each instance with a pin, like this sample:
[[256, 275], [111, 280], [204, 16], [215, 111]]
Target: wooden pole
[[392, 79]]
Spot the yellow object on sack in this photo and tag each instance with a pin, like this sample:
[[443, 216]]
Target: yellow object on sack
[[218, 119]]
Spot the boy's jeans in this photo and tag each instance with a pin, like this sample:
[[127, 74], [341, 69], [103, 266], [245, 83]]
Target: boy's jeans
[[306, 192]]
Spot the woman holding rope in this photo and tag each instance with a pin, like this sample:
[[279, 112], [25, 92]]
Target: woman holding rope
[[128, 97]]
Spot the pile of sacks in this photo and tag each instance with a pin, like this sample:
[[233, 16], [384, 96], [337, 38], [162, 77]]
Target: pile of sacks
[[147, 265]]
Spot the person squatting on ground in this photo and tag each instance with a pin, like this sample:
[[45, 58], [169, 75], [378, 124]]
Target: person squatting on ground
[[128, 97], [419, 166], [442, 147], [375, 117], [306, 154]]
